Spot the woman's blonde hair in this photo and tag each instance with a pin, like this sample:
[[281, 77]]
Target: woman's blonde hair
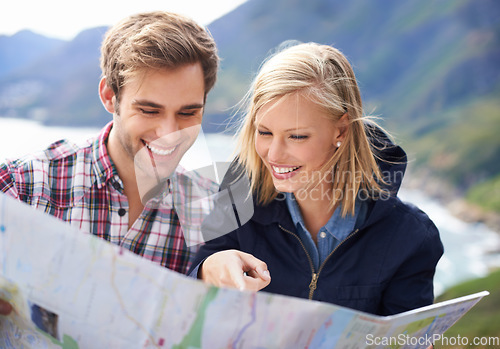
[[322, 74]]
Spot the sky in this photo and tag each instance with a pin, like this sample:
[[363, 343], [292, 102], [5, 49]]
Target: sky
[[64, 19]]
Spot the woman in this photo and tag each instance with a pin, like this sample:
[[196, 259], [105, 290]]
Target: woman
[[327, 224]]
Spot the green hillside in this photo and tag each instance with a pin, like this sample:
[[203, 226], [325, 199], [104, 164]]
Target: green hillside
[[483, 320], [429, 69], [462, 147]]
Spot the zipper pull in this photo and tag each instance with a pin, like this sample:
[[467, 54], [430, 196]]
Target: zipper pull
[[312, 285]]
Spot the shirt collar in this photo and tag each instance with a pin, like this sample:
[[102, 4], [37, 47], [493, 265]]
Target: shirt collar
[[339, 227], [103, 166], [293, 208]]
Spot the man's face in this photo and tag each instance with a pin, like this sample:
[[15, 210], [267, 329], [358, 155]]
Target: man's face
[[158, 118]]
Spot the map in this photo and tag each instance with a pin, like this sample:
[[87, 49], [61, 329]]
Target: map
[[72, 290]]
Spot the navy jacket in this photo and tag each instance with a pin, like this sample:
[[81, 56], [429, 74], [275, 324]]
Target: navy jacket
[[384, 267]]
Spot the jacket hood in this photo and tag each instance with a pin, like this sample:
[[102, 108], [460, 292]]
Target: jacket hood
[[391, 158]]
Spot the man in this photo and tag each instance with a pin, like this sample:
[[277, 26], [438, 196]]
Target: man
[[157, 70]]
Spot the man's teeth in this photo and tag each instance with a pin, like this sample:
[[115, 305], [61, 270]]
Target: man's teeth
[[160, 151], [284, 169]]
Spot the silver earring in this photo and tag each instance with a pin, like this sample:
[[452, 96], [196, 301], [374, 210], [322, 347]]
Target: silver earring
[[339, 143]]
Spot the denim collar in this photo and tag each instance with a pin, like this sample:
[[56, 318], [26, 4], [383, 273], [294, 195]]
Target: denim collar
[[339, 227]]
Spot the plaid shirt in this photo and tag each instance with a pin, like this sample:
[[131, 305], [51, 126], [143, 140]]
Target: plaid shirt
[[80, 185]]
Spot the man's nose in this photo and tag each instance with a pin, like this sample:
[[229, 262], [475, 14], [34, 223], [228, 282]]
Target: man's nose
[[168, 128]]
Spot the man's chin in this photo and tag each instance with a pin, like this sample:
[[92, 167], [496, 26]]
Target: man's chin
[[153, 190], [150, 174]]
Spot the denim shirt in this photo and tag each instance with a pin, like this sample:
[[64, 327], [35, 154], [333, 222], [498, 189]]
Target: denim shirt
[[331, 234]]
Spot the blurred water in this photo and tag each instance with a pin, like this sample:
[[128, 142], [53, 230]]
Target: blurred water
[[471, 249], [19, 137], [467, 246]]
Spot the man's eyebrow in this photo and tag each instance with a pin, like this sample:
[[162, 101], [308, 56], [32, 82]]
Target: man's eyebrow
[[146, 103], [193, 106]]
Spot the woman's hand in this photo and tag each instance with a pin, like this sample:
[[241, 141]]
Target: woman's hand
[[233, 268]]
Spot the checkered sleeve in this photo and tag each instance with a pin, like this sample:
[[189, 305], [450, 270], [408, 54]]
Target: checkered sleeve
[[7, 183]]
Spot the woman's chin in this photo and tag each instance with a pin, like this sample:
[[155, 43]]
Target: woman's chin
[[284, 188]]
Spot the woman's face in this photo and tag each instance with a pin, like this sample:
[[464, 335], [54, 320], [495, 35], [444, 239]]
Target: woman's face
[[294, 139]]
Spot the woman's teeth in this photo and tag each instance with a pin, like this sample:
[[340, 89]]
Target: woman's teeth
[[284, 169], [157, 151]]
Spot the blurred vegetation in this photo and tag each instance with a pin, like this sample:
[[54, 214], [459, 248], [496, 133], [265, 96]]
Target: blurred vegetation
[[483, 320], [430, 70], [462, 147], [486, 194]]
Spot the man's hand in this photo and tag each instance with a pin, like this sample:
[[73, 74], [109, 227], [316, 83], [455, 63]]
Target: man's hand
[[237, 269], [5, 307]]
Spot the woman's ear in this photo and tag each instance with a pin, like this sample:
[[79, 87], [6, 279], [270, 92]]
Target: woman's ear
[[107, 96], [342, 126]]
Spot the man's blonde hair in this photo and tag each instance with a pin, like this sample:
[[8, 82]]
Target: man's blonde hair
[[156, 40], [322, 74]]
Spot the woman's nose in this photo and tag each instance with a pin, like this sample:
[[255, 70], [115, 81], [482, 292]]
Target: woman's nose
[[276, 150]]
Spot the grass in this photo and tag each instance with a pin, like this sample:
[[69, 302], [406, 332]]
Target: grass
[[463, 149], [483, 320], [486, 194]]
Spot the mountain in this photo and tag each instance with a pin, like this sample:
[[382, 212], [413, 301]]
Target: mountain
[[411, 57], [430, 69], [22, 49], [60, 88]]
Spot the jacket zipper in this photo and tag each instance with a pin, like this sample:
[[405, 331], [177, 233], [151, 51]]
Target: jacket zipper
[[324, 262], [315, 275], [312, 284]]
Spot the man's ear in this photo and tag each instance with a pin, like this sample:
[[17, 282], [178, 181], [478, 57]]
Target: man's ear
[[342, 126], [107, 96]]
